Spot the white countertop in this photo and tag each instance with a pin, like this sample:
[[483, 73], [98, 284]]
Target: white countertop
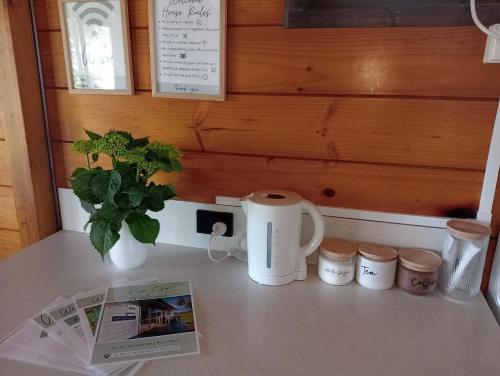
[[305, 328]]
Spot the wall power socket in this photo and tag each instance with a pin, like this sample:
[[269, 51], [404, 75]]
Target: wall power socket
[[205, 219], [492, 49]]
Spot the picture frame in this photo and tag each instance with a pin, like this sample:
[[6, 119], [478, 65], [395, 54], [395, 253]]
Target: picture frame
[[96, 44], [188, 49]]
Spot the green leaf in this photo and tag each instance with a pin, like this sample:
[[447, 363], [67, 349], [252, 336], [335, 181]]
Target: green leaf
[[110, 212], [92, 135], [115, 181], [87, 206], [104, 235], [144, 228], [122, 200], [78, 171], [140, 142], [168, 191], [136, 196], [95, 157], [176, 165], [154, 200], [82, 185], [106, 184]]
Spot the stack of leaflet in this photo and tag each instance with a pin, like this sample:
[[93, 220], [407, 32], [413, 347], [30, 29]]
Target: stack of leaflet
[[63, 335]]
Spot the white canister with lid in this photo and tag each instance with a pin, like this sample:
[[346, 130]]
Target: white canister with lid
[[336, 261], [376, 266]]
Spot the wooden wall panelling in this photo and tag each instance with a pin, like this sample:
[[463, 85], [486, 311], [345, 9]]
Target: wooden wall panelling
[[488, 264], [8, 216], [2, 125], [439, 133], [240, 12], [163, 120], [5, 166], [367, 186], [10, 242], [495, 222], [410, 62], [24, 127]]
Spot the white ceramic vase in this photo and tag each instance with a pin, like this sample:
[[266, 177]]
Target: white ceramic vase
[[128, 253]]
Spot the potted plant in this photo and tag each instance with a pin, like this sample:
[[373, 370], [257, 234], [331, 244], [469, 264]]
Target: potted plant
[[118, 200]]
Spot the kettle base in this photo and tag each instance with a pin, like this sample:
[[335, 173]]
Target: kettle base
[[277, 280]]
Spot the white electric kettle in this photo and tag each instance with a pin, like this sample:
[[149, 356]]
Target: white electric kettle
[[274, 222]]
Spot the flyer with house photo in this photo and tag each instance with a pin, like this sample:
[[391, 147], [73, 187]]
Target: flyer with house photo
[[146, 321]]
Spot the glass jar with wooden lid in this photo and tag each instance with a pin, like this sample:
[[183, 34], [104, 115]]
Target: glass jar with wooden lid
[[336, 261], [418, 270], [464, 253], [376, 266]]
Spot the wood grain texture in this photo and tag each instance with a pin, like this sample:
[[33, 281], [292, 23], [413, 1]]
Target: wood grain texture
[[2, 125], [10, 243], [21, 103], [437, 133], [356, 185], [240, 12], [163, 120], [8, 216], [410, 62], [5, 166], [495, 221], [488, 265]]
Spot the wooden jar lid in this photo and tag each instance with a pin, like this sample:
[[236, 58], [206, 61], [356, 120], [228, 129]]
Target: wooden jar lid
[[420, 260], [468, 229], [337, 249], [378, 252]]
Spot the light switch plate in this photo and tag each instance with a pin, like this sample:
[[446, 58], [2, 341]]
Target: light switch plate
[[492, 49]]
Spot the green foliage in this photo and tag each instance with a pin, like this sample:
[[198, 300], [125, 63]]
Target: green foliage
[[124, 193]]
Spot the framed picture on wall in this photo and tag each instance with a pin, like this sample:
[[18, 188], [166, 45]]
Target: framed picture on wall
[[96, 46], [188, 48]]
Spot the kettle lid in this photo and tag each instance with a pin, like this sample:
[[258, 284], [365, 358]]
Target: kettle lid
[[275, 197]]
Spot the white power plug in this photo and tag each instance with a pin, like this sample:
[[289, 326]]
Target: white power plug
[[219, 228], [492, 49]]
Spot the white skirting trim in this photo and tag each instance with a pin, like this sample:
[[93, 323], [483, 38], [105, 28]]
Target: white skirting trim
[[178, 224]]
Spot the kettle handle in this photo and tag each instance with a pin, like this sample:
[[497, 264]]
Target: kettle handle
[[319, 228]]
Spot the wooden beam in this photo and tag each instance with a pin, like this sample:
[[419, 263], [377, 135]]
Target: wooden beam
[[424, 132], [24, 125], [369, 186], [377, 61], [10, 242], [5, 165]]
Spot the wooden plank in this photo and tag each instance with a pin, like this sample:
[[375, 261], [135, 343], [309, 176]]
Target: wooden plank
[[5, 166], [411, 62], [10, 243], [170, 121], [488, 264], [495, 222], [8, 215], [2, 125], [240, 12], [367, 186], [21, 102], [399, 131]]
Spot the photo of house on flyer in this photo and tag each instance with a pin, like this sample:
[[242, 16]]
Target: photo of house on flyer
[[147, 321]]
